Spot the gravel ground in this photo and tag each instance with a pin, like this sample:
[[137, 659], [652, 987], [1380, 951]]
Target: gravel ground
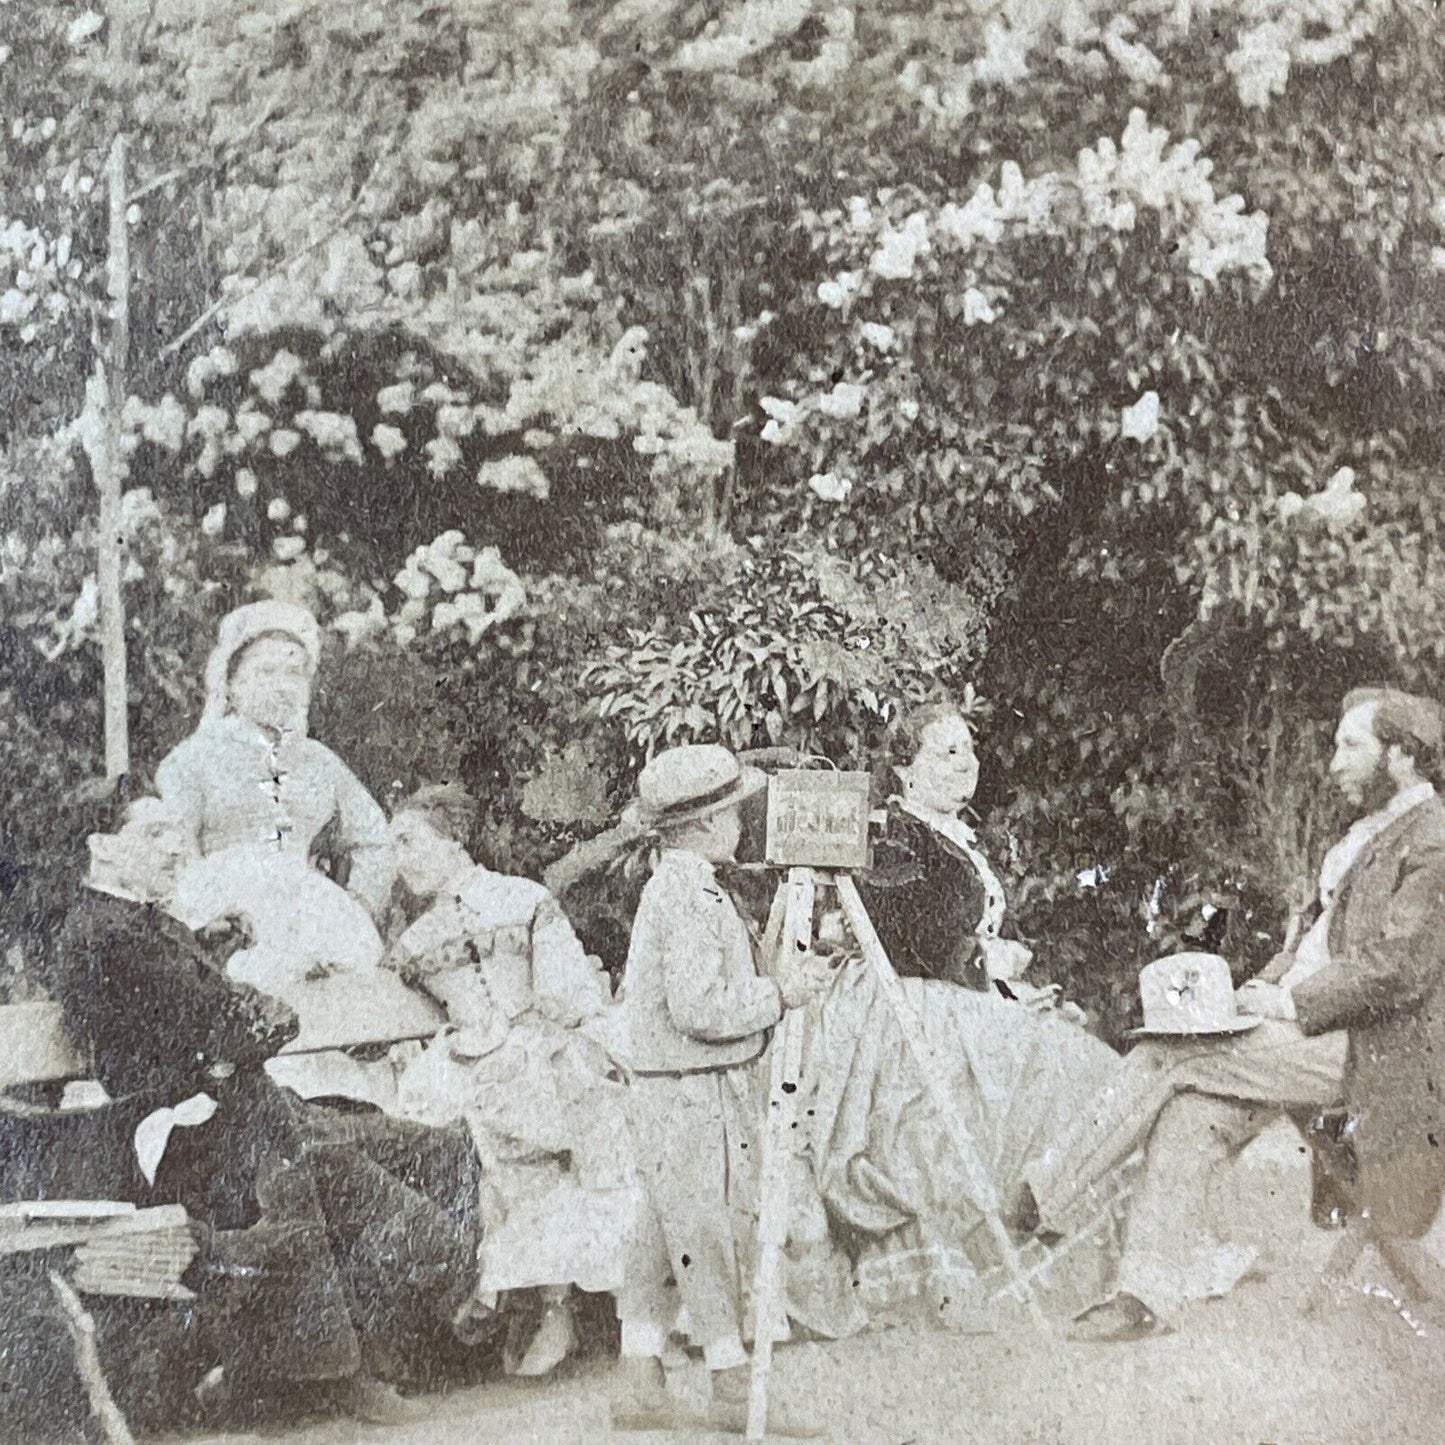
[[1247, 1370]]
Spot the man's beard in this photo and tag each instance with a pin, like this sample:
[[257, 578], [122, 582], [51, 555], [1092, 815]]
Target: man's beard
[[1379, 788]]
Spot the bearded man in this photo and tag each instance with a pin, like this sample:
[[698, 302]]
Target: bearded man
[[1354, 1015]]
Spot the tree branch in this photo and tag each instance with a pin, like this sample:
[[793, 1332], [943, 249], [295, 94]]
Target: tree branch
[[221, 302]]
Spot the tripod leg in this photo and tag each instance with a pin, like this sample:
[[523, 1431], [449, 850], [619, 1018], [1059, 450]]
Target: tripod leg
[[785, 1065]]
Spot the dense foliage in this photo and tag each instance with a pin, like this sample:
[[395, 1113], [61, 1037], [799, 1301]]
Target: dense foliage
[[612, 373]]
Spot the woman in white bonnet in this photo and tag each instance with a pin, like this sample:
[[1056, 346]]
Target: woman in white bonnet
[[249, 776]]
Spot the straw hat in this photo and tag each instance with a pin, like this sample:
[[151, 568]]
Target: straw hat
[[691, 782], [350, 1010], [239, 629], [1189, 995]]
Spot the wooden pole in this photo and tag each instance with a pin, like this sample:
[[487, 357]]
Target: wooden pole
[[933, 1071], [785, 1070], [110, 542], [87, 1360]]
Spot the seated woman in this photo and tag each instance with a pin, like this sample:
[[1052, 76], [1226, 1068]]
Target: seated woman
[[933, 896], [250, 776], [883, 1161], [522, 1065]]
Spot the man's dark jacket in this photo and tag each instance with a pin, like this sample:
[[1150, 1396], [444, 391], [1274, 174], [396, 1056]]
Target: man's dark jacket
[[328, 1237], [1385, 983]]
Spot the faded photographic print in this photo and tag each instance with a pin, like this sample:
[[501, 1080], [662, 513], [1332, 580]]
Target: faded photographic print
[[720, 720]]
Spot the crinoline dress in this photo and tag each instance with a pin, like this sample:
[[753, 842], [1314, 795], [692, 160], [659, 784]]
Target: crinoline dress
[[883, 1162]]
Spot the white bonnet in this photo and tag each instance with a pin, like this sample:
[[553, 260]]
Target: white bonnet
[[241, 628]]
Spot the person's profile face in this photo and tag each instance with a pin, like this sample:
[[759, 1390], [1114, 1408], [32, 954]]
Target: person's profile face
[[726, 828], [944, 772], [1359, 755], [424, 857], [271, 683], [145, 857], [715, 837]]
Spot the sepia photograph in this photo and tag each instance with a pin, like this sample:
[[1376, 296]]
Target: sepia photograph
[[720, 720]]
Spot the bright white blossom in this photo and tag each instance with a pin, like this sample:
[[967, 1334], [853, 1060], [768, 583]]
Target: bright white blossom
[[877, 335], [442, 455], [844, 402], [976, 308], [515, 474], [830, 487], [1138, 62], [783, 419], [1141, 421], [85, 25], [272, 379], [359, 627], [388, 440], [399, 398], [252, 424], [214, 522], [899, 249], [841, 290], [1005, 58], [979, 219], [333, 431]]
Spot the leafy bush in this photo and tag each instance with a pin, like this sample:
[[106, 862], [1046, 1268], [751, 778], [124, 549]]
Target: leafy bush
[[790, 647]]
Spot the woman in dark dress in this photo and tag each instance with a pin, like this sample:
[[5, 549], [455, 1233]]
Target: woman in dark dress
[[932, 893], [1022, 1068]]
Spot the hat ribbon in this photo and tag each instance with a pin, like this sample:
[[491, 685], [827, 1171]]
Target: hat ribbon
[[686, 805]]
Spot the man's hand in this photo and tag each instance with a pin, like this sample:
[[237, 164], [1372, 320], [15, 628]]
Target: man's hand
[[1265, 1000], [492, 1205], [1276, 968]]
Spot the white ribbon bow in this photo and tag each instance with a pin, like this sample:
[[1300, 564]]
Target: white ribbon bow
[[154, 1131]]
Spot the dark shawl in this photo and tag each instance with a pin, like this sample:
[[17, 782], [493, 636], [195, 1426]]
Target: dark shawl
[[925, 900]]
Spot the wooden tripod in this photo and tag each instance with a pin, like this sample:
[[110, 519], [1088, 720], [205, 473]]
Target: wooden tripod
[[790, 932]]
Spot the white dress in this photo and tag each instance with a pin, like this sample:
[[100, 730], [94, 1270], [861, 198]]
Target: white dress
[[522, 1065], [301, 924]]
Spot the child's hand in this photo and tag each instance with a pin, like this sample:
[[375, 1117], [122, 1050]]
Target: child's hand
[[805, 978]]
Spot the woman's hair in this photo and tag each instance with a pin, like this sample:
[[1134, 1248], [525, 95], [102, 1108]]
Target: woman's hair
[[275, 634], [906, 736], [447, 807]]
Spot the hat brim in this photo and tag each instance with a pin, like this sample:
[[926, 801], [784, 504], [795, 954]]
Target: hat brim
[[751, 782], [1240, 1025], [353, 1010]]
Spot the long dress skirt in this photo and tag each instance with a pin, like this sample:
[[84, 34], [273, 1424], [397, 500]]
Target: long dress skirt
[[889, 1173]]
